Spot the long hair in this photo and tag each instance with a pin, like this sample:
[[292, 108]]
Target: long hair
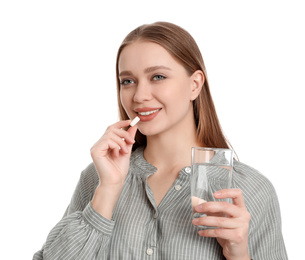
[[181, 45]]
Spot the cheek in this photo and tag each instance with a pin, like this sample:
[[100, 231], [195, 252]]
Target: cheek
[[178, 99], [126, 98], [178, 93]]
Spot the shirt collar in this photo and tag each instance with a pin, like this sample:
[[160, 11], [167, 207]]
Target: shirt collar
[[145, 168]]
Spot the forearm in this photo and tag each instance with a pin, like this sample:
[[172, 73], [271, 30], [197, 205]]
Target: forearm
[[69, 238], [105, 198]]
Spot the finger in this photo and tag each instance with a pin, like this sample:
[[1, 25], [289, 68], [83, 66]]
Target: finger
[[233, 235], [132, 131], [120, 124], [114, 146], [123, 135], [110, 139], [106, 148], [218, 208], [221, 222], [125, 139], [235, 194], [102, 147], [116, 152], [217, 233], [121, 144]]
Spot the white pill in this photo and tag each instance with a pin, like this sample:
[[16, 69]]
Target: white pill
[[135, 121]]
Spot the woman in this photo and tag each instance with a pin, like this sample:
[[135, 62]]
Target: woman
[[133, 201]]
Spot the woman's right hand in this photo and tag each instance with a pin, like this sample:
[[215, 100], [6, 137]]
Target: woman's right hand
[[111, 153]]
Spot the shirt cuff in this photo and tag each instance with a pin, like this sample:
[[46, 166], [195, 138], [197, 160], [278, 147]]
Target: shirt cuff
[[96, 220]]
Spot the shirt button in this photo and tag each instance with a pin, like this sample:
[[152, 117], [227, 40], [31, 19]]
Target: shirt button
[[155, 215], [149, 251], [188, 169], [178, 187]]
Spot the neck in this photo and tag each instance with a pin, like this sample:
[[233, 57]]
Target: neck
[[172, 149]]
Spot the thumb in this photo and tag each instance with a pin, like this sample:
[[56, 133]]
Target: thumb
[[133, 130]]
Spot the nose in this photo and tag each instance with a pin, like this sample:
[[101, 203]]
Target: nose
[[143, 92]]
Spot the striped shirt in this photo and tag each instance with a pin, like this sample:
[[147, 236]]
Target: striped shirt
[[140, 229]]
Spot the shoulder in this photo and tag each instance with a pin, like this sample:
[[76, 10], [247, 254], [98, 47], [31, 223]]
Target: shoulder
[[249, 177], [255, 186], [262, 203], [259, 194]]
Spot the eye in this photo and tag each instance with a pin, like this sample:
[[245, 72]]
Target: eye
[[158, 77], [126, 82]]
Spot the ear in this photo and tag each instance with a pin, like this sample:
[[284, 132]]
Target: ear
[[197, 81]]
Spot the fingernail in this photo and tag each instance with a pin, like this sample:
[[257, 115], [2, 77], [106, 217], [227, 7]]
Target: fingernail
[[195, 221], [217, 193]]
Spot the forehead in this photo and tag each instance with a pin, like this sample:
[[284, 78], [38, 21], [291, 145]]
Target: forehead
[[143, 54]]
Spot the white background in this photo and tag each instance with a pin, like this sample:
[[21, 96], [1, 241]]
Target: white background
[[58, 95]]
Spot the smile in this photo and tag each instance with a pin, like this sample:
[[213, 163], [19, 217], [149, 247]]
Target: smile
[[148, 112]]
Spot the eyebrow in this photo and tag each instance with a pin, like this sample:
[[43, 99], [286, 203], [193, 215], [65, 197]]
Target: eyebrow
[[147, 70]]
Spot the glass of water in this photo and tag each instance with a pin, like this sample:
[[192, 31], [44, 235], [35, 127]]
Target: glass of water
[[211, 172]]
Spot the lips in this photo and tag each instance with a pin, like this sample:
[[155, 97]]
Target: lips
[[147, 113]]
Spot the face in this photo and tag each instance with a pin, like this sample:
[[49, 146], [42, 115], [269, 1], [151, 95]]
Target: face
[[155, 87]]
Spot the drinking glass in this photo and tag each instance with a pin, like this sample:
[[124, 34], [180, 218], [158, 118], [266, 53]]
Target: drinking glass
[[211, 172]]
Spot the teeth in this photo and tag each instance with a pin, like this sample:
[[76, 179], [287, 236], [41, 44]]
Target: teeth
[[148, 112]]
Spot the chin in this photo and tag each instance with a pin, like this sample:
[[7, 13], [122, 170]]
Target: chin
[[149, 131], [153, 130]]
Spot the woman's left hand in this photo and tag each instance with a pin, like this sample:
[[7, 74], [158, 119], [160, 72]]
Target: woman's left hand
[[232, 231]]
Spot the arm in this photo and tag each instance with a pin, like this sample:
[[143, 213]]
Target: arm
[[81, 221], [81, 235], [85, 230], [266, 239]]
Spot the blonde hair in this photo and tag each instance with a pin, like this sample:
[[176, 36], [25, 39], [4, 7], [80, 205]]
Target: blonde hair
[[181, 45]]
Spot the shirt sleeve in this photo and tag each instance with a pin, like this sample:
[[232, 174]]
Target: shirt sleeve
[[265, 231], [267, 242], [82, 233]]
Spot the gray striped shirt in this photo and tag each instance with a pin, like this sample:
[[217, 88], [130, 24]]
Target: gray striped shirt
[[141, 230]]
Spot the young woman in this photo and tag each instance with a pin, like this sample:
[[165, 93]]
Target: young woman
[[133, 201]]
